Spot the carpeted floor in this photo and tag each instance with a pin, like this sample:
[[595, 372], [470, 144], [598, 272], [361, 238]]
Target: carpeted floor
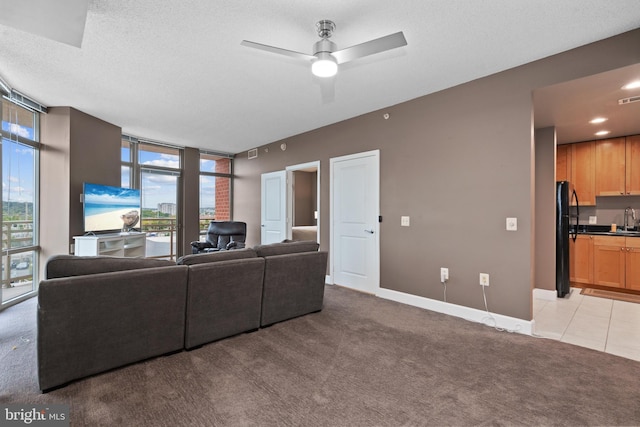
[[362, 361]]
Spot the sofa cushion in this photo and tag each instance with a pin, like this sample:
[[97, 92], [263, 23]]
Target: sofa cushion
[[71, 265], [216, 256], [287, 247]]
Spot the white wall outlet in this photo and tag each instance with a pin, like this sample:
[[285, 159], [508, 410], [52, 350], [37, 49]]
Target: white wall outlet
[[512, 224], [593, 219], [444, 274], [405, 221], [484, 279]]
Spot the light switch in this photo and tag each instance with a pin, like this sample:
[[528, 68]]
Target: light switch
[[593, 219], [405, 221], [512, 224]]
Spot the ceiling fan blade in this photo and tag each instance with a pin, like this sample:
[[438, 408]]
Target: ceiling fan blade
[[277, 50], [327, 88], [381, 44]]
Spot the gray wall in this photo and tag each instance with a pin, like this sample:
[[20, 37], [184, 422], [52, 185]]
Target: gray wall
[[458, 162], [304, 194], [545, 214], [609, 210], [76, 148]]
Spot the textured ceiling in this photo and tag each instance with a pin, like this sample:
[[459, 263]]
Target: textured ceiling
[[174, 71]]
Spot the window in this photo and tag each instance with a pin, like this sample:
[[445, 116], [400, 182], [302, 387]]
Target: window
[[156, 170], [126, 157], [215, 189], [20, 156]]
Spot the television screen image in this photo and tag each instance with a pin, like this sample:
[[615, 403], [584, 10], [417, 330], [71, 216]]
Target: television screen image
[[109, 208]]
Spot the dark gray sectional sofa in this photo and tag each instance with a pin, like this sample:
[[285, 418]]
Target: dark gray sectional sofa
[[101, 313], [292, 284], [224, 295]]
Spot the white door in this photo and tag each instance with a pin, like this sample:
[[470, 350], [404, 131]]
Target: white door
[[273, 207], [355, 249]]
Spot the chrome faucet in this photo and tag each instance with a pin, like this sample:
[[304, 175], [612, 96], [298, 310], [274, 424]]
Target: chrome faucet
[[626, 217]]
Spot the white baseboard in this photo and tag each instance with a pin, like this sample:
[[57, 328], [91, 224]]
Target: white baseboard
[[328, 280], [510, 324]]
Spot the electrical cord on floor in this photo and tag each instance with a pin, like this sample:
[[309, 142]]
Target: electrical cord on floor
[[489, 316], [444, 283]]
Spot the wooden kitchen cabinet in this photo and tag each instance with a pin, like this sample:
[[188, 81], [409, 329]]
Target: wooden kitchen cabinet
[[609, 260], [610, 167], [581, 259], [583, 171], [632, 158], [563, 162], [616, 261], [618, 166], [633, 263]]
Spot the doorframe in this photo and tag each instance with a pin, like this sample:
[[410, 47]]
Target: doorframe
[[290, 170], [376, 156]]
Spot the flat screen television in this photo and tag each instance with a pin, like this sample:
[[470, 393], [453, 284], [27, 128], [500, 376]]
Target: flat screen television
[[110, 209]]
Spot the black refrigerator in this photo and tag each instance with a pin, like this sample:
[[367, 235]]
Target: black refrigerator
[[564, 231]]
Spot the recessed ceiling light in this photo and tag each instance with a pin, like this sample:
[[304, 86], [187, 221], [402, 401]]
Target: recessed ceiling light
[[598, 120], [633, 85], [603, 132]]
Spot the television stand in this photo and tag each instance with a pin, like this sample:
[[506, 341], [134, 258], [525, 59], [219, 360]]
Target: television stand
[[130, 245]]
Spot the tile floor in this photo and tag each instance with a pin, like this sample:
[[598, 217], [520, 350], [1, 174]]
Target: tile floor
[[597, 323]]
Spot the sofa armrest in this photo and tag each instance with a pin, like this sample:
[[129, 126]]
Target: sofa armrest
[[197, 247], [235, 245]]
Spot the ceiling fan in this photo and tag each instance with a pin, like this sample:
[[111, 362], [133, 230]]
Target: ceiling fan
[[326, 57]]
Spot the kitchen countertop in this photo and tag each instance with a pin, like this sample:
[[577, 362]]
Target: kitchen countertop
[[605, 230]]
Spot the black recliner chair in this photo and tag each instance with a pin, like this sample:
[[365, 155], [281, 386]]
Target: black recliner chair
[[222, 236]]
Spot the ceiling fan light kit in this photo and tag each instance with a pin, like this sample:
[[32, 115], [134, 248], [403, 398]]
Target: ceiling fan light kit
[[326, 57], [325, 65]]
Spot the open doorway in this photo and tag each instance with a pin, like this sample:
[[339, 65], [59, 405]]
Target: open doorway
[[303, 201]]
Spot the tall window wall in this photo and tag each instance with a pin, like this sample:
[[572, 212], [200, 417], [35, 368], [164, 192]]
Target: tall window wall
[[20, 156], [215, 188], [156, 170]]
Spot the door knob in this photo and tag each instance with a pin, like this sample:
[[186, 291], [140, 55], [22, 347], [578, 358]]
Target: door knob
[[369, 231]]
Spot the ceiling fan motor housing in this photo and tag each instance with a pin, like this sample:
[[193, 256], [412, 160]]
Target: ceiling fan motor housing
[[324, 45]]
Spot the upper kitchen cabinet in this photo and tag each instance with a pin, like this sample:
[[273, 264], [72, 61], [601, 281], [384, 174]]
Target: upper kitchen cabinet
[[610, 172], [618, 166], [583, 180], [563, 162], [632, 184]]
